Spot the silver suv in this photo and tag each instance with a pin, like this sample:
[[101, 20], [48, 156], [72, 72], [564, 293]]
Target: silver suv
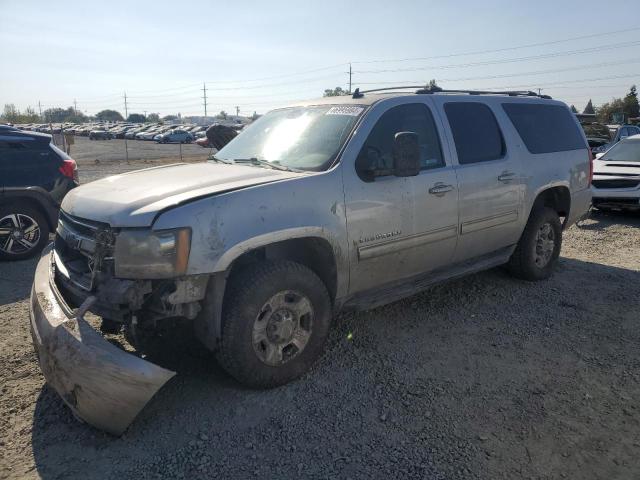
[[344, 202]]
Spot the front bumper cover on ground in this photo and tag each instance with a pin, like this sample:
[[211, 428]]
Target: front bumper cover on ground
[[102, 384]]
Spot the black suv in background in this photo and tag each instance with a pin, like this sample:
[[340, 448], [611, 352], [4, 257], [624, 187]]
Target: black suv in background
[[34, 177]]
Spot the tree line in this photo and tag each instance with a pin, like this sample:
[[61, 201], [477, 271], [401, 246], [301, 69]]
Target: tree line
[[11, 114], [617, 109]]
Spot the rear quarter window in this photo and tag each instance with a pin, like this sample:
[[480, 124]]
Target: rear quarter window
[[545, 128]]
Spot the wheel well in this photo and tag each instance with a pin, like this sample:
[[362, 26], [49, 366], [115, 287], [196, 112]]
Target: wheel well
[[313, 252], [556, 198], [28, 201]]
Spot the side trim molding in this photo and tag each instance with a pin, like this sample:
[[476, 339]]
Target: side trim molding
[[488, 222], [396, 244]]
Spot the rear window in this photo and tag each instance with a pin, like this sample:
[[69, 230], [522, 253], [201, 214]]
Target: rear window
[[545, 128], [475, 132]]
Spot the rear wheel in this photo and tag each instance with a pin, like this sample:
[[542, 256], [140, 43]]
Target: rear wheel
[[275, 321], [539, 246], [23, 232]]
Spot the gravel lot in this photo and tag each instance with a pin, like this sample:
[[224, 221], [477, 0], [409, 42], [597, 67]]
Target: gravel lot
[[484, 377], [101, 152]]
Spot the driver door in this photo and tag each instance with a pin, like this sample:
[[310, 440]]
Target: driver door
[[399, 227]]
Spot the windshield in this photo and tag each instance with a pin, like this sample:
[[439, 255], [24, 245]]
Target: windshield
[[628, 151], [305, 138]]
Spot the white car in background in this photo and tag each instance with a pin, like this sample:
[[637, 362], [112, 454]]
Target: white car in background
[[616, 176]]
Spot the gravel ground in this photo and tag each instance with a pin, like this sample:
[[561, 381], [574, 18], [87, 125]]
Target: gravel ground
[[483, 377]]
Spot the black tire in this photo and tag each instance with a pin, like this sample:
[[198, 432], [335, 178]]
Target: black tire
[[527, 261], [23, 252], [249, 292]]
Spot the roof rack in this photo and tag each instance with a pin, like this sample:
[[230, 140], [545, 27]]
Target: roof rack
[[422, 90]]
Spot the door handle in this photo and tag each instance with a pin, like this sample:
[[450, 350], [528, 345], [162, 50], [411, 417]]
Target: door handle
[[506, 176], [440, 189]]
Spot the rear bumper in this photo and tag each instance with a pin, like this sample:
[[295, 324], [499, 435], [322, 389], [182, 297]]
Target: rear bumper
[[102, 384]]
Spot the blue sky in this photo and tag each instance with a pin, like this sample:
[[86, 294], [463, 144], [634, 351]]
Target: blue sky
[[255, 54]]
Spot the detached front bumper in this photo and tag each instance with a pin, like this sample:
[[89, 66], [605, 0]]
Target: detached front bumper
[[102, 384]]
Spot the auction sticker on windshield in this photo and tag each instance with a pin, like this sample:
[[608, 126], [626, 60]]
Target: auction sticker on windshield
[[350, 110]]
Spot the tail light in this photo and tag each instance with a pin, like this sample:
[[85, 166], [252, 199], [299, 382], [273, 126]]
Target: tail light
[[590, 166], [69, 169]]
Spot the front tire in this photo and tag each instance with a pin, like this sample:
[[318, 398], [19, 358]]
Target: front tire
[[276, 319], [538, 250], [23, 232]]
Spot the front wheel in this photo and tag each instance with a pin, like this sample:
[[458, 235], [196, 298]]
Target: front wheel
[[539, 247], [276, 319]]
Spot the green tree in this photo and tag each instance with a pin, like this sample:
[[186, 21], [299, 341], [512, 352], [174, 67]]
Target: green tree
[[604, 112], [589, 108], [169, 118], [109, 116], [336, 92], [153, 117], [574, 109], [10, 113], [136, 118], [630, 105], [57, 114]]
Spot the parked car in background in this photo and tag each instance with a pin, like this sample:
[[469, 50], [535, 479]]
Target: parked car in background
[[616, 176], [174, 136], [623, 131], [100, 134], [35, 175], [341, 202], [203, 142], [597, 134]]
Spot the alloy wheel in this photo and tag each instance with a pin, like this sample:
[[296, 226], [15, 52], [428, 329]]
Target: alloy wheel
[[19, 233]]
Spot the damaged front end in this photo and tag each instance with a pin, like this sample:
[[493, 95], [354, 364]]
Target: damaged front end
[[103, 385]]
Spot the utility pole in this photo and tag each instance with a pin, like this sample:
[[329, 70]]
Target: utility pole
[[350, 77], [40, 109], [204, 96], [145, 114], [126, 115], [75, 107], [237, 111]]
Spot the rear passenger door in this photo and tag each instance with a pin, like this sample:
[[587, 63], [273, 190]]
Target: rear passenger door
[[489, 177], [27, 162]]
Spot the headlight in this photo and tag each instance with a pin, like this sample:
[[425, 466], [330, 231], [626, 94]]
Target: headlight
[[149, 254]]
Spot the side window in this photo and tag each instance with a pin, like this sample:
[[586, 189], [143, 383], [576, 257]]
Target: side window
[[376, 157], [475, 132], [545, 128]]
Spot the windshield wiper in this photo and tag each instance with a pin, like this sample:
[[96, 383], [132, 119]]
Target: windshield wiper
[[219, 160], [263, 163]]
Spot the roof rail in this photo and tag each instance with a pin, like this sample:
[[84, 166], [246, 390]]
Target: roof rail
[[422, 90]]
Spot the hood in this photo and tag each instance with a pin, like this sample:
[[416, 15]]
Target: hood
[[620, 168], [134, 199]]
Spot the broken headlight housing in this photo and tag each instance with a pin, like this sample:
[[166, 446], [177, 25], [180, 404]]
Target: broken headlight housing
[[148, 254]]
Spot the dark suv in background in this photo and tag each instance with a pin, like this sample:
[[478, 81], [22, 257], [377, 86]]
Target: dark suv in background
[[34, 177]]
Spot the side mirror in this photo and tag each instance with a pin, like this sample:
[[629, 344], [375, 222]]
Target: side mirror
[[406, 154]]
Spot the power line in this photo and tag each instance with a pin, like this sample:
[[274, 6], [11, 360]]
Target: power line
[[507, 60], [505, 49], [507, 75]]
